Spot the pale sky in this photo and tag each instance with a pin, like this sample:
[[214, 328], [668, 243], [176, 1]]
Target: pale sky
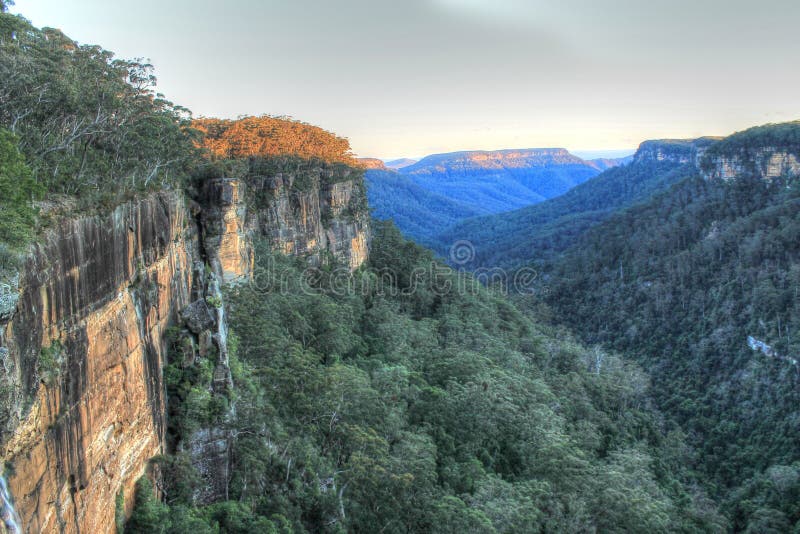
[[414, 77]]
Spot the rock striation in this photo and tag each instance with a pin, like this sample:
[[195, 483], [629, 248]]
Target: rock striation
[[764, 162], [82, 337], [84, 395]]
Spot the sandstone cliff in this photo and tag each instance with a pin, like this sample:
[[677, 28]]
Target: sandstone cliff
[[83, 347], [766, 162], [766, 152], [96, 295], [314, 211]]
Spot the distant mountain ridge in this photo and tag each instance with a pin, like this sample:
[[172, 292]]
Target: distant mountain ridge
[[426, 197], [506, 159], [399, 163], [604, 164], [537, 232], [500, 180]]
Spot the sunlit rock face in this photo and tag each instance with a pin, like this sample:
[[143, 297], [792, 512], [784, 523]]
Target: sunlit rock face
[[321, 219], [225, 233], [82, 347], [326, 219], [97, 295]]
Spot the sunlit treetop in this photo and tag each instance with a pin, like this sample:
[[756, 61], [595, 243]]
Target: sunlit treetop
[[271, 136]]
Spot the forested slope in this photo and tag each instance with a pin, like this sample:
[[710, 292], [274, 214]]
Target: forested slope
[[543, 230], [410, 407], [415, 210], [700, 285]]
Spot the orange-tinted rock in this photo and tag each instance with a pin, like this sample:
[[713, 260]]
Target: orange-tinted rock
[[105, 288], [331, 218], [227, 239]]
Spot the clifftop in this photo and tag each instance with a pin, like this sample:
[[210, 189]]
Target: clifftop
[[271, 136]]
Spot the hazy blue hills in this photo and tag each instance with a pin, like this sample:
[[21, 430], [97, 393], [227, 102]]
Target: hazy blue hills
[[536, 232], [426, 197], [501, 180], [419, 213], [399, 163]]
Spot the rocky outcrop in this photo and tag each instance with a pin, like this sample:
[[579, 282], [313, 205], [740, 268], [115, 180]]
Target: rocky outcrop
[[329, 217], [82, 334], [767, 350], [372, 164], [767, 152], [227, 238]]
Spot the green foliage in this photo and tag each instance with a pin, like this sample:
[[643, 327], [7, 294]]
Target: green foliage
[[680, 283], [193, 405], [543, 231], [119, 512], [149, 516], [214, 301], [50, 360], [18, 190], [428, 411], [89, 125]]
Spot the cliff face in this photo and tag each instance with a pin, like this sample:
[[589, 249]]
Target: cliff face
[[96, 295], [765, 162], [725, 159], [325, 214], [681, 151], [83, 348]]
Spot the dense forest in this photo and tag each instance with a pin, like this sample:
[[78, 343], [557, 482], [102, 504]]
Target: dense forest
[[395, 410], [90, 126], [418, 212], [544, 230], [700, 285], [401, 405]]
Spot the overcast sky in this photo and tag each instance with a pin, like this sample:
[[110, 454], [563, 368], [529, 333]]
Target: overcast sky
[[413, 77]]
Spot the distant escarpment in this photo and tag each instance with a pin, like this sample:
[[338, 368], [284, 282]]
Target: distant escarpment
[[495, 181], [767, 152], [84, 339], [426, 197], [681, 151]]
